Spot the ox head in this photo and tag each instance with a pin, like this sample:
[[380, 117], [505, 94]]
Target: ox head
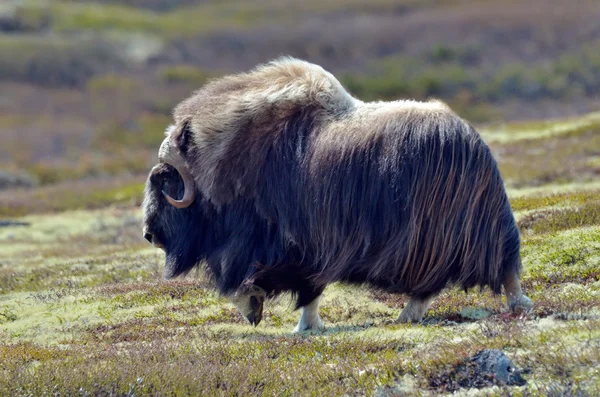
[[169, 223], [249, 300], [186, 228], [184, 233], [168, 227]]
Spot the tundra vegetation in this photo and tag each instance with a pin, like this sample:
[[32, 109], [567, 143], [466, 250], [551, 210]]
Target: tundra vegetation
[[86, 94]]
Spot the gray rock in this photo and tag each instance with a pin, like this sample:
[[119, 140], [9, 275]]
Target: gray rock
[[486, 368], [7, 223], [474, 313], [497, 364]]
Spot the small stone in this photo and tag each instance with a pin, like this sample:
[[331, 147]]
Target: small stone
[[496, 363], [474, 313], [487, 368]]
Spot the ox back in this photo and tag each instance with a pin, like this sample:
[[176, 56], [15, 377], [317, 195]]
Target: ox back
[[412, 204]]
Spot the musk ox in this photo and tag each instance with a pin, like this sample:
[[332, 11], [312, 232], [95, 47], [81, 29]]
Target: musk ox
[[288, 184]]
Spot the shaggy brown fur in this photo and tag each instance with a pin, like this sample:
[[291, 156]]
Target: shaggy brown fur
[[404, 196]]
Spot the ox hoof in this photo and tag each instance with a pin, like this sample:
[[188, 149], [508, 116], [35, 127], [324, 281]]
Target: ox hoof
[[522, 303], [414, 310], [408, 318], [302, 327]]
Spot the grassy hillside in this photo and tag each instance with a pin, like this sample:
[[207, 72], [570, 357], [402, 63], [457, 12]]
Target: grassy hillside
[[83, 310], [86, 90], [86, 86]]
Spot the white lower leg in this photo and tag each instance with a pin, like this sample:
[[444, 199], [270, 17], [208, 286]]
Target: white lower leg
[[514, 294], [310, 319], [415, 310]]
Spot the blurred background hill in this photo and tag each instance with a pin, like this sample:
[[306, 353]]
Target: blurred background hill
[[87, 86]]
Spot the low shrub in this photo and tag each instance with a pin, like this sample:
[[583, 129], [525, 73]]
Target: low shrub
[[446, 53], [24, 19], [184, 74], [18, 179], [54, 61]]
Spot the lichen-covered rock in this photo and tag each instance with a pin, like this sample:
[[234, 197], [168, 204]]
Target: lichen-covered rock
[[8, 222], [497, 364], [486, 368]]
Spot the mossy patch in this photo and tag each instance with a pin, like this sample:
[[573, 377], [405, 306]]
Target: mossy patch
[[540, 130], [65, 196], [536, 201], [553, 220], [186, 74], [147, 132], [528, 163]]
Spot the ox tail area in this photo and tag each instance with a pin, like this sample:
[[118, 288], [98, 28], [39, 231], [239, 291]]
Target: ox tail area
[[462, 229]]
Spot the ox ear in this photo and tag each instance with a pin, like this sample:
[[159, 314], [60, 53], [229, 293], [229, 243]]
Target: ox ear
[[173, 151], [181, 137]]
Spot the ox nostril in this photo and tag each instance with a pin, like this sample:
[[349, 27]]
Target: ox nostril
[[148, 237]]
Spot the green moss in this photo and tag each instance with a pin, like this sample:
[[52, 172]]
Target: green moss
[[192, 293], [527, 163], [93, 16], [536, 201], [7, 315], [540, 130], [444, 53], [84, 195], [565, 257], [147, 131], [185, 74], [206, 16], [26, 352], [553, 220], [85, 273], [111, 83]]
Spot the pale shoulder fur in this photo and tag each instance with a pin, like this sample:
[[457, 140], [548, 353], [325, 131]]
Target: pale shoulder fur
[[291, 80], [218, 112]]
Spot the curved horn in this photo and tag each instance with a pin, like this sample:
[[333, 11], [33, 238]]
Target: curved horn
[[168, 155]]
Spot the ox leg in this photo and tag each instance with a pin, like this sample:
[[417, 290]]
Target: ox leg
[[514, 294], [415, 309], [310, 319]]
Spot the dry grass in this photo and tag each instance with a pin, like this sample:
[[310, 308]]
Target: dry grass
[[556, 159], [70, 195]]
